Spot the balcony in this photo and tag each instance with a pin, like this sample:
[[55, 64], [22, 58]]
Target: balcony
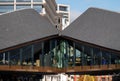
[[77, 69]]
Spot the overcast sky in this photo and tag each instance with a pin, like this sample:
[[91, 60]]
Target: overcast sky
[[77, 7]]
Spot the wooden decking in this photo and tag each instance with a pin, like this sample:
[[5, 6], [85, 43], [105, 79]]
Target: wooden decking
[[75, 69]]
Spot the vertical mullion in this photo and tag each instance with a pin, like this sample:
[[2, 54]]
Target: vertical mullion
[[55, 52], [42, 53], [92, 57], [66, 46], [32, 54], [21, 51], [74, 55], [51, 51], [83, 56], [8, 58], [109, 58], [100, 57]]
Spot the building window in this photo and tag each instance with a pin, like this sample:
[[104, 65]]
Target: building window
[[62, 8], [37, 0], [38, 8], [6, 8], [6, 0], [23, 0], [23, 6]]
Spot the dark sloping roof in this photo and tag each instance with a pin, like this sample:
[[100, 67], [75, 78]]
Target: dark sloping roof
[[97, 26], [23, 26]]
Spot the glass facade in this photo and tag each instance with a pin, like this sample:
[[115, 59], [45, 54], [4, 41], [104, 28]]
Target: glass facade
[[37, 0], [6, 8], [60, 53], [6, 0], [23, 6]]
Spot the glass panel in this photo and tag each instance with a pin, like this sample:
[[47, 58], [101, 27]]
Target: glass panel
[[38, 8], [15, 57], [26, 56], [4, 60], [66, 54], [23, 0], [115, 58], [47, 56], [1, 59], [60, 53], [78, 58], [6, 8], [54, 53], [6, 0], [37, 0], [23, 6], [88, 55], [96, 56], [38, 54], [106, 59]]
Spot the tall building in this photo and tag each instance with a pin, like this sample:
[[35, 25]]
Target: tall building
[[44, 7], [64, 10]]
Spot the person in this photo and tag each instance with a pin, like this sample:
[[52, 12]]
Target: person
[[104, 61]]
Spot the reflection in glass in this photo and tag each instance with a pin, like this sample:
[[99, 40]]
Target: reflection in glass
[[59, 53], [4, 60]]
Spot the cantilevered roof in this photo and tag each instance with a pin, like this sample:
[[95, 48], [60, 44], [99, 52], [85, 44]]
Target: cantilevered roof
[[96, 26], [23, 26]]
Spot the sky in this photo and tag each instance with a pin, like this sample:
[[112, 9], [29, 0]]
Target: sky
[[77, 7]]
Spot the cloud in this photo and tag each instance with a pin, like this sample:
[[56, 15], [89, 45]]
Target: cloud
[[74, 14]]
